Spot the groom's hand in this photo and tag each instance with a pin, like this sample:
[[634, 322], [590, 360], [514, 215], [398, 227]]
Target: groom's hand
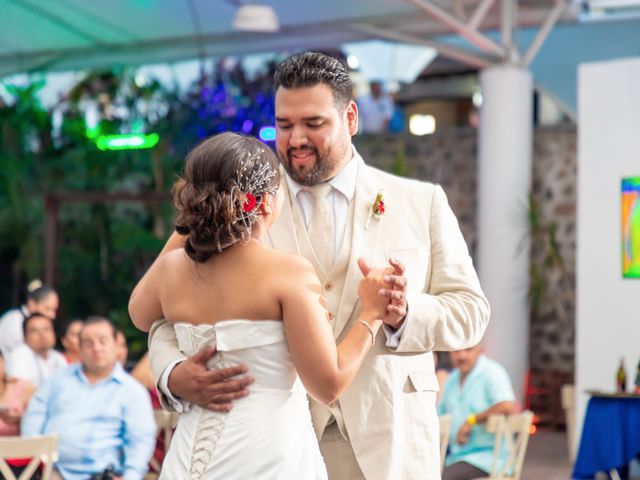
[[397, 295], [214, 390]]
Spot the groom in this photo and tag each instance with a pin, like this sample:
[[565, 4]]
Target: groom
[[385, 425]]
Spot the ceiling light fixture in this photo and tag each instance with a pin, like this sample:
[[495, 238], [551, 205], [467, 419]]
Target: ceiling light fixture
[[253, 17]]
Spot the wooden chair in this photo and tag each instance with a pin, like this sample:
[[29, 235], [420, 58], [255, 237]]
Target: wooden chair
[[41, 449], [445, 435], [165, 423], [569, 406], [512, 433]]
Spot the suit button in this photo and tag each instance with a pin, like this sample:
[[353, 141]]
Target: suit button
[[328, 286], [331, 316]]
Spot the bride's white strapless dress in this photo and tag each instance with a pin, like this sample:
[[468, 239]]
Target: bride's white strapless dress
[[266, 435]]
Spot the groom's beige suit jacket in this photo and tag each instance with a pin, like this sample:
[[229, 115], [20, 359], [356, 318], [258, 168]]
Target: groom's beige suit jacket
[[389, 409]]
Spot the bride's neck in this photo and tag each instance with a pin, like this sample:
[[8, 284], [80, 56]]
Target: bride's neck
[[258, 232]]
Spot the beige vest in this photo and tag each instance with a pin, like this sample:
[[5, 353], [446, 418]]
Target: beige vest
[[332, 281]]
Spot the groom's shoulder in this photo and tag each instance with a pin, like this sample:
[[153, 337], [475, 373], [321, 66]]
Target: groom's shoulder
[[401, 184]]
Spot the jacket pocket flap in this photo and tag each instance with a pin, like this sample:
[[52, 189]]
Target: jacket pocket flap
[[424, 381]]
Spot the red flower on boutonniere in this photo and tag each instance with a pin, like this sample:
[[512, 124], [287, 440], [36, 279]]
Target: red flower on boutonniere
[[378, 205], [249, 203]]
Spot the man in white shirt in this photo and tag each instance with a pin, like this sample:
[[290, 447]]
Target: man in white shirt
[[36, 360], [376, 110]]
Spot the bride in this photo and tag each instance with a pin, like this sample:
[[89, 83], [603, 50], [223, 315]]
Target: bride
[[216, 282]]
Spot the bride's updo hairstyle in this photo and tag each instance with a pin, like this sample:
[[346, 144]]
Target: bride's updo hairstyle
[[217, 199]]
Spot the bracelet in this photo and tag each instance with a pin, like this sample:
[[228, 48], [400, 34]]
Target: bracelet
[[472, 419], [373, 335]]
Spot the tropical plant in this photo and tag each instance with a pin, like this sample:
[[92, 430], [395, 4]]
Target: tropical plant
[[546, 258]]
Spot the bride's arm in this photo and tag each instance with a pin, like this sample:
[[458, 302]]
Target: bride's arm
[[144, 303], [327, 370]]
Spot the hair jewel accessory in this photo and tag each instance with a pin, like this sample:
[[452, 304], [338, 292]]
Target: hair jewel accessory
[[254, 178], [249, 202]]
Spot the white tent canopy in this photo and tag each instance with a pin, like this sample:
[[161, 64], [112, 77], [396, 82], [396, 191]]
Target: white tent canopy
[[73, 34], [63, 35]]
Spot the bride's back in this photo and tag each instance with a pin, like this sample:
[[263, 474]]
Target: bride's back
[[239, 283]]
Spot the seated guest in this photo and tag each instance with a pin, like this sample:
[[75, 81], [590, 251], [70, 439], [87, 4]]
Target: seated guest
[[142, 373], [70, 340], [477, 388], [122, 348], [441, 374], [40, 299], [35, 360], [14, 397], [102, 415]]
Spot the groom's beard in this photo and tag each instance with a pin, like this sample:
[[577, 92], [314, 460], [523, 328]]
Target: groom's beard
[[320, 172]]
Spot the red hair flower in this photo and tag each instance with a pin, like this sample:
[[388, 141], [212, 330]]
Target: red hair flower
[[249, 202]]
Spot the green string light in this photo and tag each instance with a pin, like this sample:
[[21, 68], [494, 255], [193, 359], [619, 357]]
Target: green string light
[[127, 142]]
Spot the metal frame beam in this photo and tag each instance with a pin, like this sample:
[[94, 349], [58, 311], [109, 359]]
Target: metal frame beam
[[545, 29], [473, 35], [459, 54], [479, 14]]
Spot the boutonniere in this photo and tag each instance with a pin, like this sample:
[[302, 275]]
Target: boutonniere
[[377, 209], [378, 205]]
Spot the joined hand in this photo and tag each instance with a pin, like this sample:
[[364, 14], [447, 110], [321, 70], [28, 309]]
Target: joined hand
[[397, 308]]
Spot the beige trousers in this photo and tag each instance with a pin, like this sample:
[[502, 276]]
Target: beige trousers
[[338, 456]]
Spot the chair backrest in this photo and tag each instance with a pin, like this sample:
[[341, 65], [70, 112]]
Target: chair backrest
[[569, 406], [165, 422], [41, 449], [445, 435], [512, 433]]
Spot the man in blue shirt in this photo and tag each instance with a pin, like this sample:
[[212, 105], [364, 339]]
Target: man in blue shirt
[[103, 416], [477, 388]]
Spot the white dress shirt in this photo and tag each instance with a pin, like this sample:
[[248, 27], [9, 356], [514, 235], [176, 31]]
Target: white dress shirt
[[342, 193], [27, 364], [11, 334]]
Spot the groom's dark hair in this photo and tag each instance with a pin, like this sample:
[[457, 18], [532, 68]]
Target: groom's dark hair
[[312, 68]]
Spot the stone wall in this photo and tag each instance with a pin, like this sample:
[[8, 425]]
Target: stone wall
[[449, 159]]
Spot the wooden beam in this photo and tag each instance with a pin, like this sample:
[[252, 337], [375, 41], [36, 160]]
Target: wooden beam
[[52, 201], [69, 196], [51, 209]]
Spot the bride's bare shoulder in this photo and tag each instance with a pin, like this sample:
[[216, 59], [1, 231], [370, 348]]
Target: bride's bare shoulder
[[173, 259], [292, 268]]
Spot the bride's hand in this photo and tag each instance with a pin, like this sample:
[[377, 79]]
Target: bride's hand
[[370, 286]]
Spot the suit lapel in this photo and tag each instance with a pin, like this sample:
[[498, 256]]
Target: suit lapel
[[364, 242]]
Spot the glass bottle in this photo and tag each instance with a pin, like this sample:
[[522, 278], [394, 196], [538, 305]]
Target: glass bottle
[[621, 378]]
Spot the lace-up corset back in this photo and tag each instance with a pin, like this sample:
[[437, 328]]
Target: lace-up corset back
[[261, 345], [267, 434]]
